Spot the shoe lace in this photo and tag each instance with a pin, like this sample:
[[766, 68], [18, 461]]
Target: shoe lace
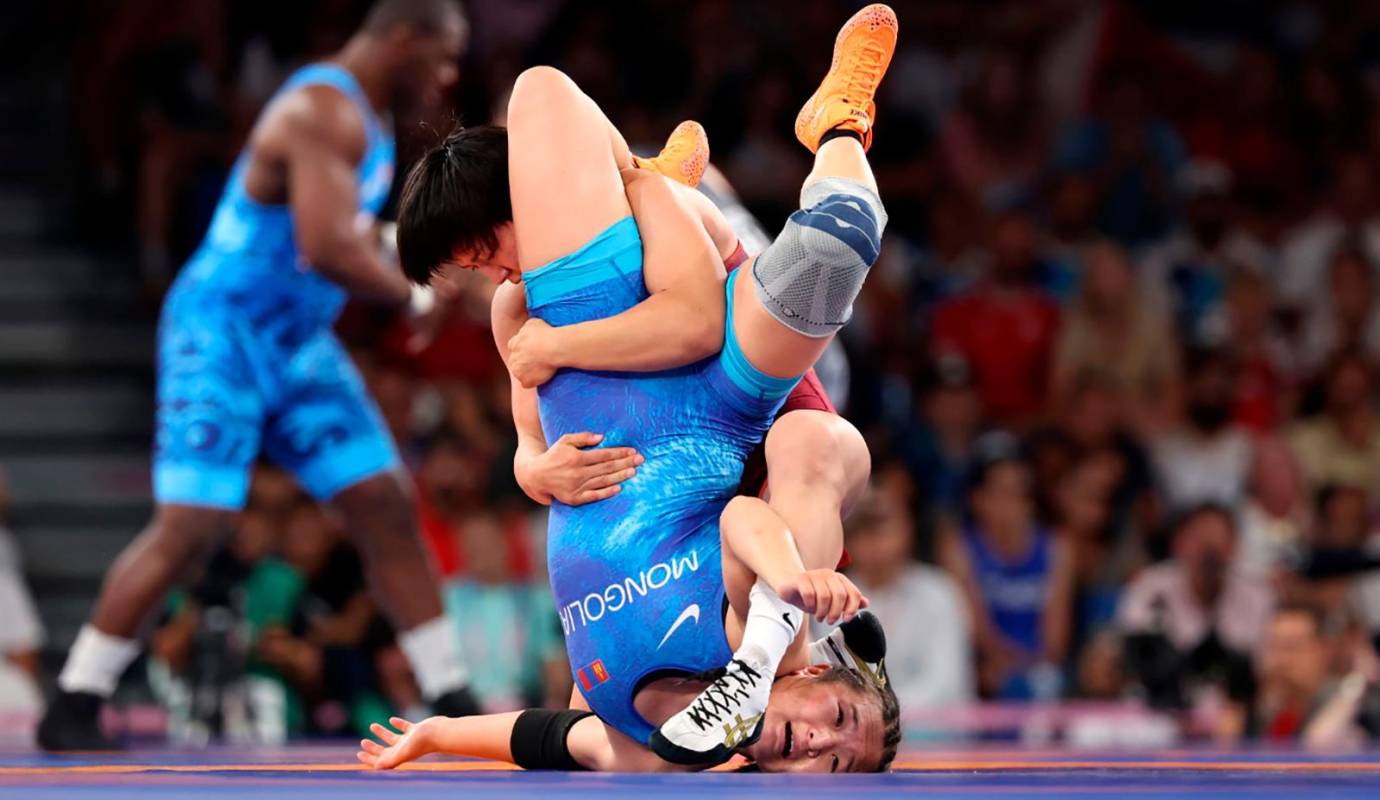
[[865, 72], [717, 702]]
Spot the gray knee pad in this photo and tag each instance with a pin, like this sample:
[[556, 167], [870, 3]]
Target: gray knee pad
[[810, 275]]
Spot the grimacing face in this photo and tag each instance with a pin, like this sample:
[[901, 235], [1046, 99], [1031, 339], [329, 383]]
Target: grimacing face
[[815, 725], [499, 267]]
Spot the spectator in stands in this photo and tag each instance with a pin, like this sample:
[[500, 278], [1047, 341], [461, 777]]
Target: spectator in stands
[[1299, 698], [993, 143], [1102, 559], [1017, 577], [1349, 214], [1246, 329], [1275, 516], [1345, 317], [930, 671], [21, 631], [1186, 274], [325, 635], [1134, 156], [1109, 329], [1342, 444], [503, 610], [951, 260], [934, 443], [1192, 622], [1207, 457], [1069, 232], [1094, 420], [1004, 327]]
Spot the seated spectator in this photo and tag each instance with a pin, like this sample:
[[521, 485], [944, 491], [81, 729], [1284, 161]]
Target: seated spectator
[[1344, 318], [21, 631], [1004, 327], [1069, 231], [1094, 420], [1275, 516], [930, 671], [1186, 274], [510, 639], [1102, 559], [935, 442], [1017, 577], [1110, 330], [1192, 622], [1133, 154], [315, 631], [993, 143], [1349, 213], [1342, 444], [1246, 329], [1206, 458], [1299, 698]]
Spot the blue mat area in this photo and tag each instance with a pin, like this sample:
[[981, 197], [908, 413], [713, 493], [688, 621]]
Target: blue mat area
[[325, 773]]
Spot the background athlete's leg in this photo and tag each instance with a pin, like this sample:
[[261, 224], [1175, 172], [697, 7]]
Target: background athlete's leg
[[209, 419], [563, 162]]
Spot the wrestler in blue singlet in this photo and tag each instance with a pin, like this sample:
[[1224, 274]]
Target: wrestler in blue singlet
[[246, 356], [637, 577]]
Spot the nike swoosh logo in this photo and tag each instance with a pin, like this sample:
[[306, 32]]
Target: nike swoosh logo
[[691, 611]]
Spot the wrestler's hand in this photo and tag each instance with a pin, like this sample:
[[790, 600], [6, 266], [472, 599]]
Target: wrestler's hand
[[530, 352], [574, 475], [412, 743], [827, 595]]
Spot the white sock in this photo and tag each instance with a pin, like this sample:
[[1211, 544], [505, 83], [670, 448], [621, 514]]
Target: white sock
[[432, 650], [96, 662], [772, 625]]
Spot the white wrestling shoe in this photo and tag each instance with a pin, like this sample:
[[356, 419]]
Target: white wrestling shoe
[[726, 716], [858, 644]]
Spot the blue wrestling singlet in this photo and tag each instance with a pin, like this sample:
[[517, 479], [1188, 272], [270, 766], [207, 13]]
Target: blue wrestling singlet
[[637, 577], [246, 355]]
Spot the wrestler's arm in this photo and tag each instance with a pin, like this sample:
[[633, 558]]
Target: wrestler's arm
[[319, 137], [566, 471], [681, 322], [592, 744]]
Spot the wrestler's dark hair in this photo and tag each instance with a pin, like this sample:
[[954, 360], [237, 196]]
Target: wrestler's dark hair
[[424, 15], [885, 697], [454, 198]]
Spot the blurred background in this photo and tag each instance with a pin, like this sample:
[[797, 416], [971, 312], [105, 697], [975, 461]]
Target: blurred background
[[1117, 364]]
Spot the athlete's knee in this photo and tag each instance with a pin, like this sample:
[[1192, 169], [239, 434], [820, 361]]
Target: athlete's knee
[[379, 507], [540, 93], [183, 535], [817, 455], [811, 274]]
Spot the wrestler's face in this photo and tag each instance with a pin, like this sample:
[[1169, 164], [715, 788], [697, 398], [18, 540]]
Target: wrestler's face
[[815, 725], [498, 265]]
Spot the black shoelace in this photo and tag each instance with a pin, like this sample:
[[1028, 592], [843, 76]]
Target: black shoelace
[[715, 701]]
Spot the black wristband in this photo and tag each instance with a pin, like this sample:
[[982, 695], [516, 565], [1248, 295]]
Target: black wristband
[[538, 740]]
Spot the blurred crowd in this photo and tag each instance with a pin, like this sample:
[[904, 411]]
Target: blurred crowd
[[1117, 364]]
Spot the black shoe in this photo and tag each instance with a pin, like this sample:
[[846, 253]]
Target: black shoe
[[456, 703], [860, 645], [73, 722]]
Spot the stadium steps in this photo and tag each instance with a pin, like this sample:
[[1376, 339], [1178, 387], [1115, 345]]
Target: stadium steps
[[76, 361]]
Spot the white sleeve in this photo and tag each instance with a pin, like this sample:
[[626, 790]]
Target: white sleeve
[[937, 667]]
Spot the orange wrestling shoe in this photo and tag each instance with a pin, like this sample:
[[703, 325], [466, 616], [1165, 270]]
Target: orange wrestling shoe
[[862, 52], [685, 156]]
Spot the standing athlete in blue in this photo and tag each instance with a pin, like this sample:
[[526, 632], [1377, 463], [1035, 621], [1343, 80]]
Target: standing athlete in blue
[[247, 361], [613, 299]]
